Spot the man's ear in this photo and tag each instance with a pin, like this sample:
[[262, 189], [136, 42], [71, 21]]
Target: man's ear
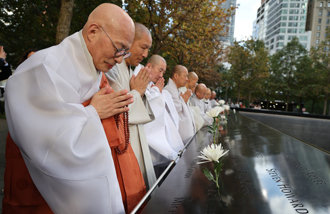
[[92, 32]]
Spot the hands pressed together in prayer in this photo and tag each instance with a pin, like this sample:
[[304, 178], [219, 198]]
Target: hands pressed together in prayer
[[108, 102], [160, 84], [140, 81], [186, 95]]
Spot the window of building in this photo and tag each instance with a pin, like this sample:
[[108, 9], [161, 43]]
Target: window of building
[[329, 4], [301, 30], [271, 47], [284, 11], [292, 30], [328, 13], [302, 18], [318, 34], [320, 21], [303, 38], [284, 18], [282, 30], [294, 5], [318, 27], [320, 12], [294, 11], [328, 21], [302, 24], [321, 4], [293, 24], [293, 18], [317, 41], [283, 24]]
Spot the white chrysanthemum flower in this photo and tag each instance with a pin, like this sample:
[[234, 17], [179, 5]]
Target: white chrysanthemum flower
[[221, 102], [212, 153], [226, 107], [214, 112]]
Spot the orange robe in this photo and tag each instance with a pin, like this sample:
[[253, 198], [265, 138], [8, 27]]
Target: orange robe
[[22, 197]]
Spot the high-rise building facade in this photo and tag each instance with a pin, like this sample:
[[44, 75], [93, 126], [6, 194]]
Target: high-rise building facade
[[228, 39], [279, 21], [318, 20]]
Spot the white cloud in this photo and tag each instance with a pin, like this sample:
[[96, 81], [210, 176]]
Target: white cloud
[[246, 13]]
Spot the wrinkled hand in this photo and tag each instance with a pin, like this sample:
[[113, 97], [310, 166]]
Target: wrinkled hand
[[160, 84], [186, 95], [140, 81], [108, 102], [2, 53]]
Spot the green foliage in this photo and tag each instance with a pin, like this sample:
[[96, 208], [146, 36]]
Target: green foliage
[[185, 32], [27, 25]]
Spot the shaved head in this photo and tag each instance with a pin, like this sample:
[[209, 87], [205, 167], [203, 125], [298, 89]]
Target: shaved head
[[208, 93], [156, 59], [140, 30], [178, 69], [180, 75], [192, 76], [108, 29], [141, 45], [214, 95], [192, 80], [158, 67], [200, 90]]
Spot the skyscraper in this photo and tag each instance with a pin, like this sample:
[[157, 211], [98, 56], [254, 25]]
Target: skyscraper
[[281, 20], [318, 20], [228, 39]]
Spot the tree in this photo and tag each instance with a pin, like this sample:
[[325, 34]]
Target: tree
[[64, 20], [185, 32], [26, 25], [284, 70], [321, 64]]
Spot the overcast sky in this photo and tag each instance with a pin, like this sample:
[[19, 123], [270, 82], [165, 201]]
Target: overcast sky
[[245, 15]]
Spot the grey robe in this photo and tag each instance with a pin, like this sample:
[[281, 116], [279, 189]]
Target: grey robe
[[139, 114], [186, 123]]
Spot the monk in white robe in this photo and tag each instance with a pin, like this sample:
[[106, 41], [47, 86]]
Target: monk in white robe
[[214, 103], [191, 84], [63, 143], [186, 122], [207, 100], [197, 100], [163, 135], [121, 77]]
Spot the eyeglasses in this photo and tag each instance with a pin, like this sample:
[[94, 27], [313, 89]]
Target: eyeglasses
[[119, 52]]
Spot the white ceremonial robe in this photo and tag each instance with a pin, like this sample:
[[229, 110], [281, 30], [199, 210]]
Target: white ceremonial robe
[[186, 122], [198, 119], [214, 103], [63, 143], [163, 135], [139, 114], [194, 101]]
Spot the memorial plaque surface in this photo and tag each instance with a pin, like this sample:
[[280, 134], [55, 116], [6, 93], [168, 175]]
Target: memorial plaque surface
[[264, 172]]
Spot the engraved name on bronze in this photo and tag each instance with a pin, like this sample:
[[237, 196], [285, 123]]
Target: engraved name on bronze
[[287, 191]]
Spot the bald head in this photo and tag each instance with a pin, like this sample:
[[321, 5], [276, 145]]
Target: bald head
[[107, 29], [157, 66], [156, 59], [200, 90], [208, 94], [192, 80], [214, 95], [141, 45], [140, 30], [180, 75]]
